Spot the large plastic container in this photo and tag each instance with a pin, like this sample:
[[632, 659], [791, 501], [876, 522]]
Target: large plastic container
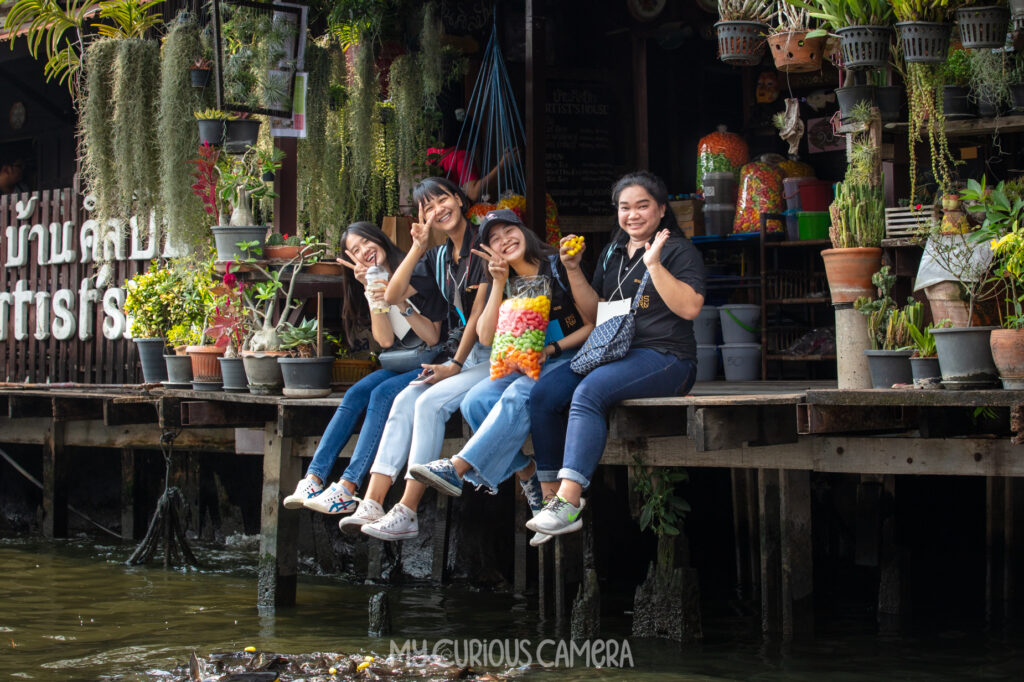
[[707, 362], [742, 361], [705, 327], [720, 187], [740, 323], [718, 219], [815, 195], [813, 224], [791, 191]]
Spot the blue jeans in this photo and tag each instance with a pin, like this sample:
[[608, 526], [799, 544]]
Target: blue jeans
[[568, 411], [373, 394], [498, 413]]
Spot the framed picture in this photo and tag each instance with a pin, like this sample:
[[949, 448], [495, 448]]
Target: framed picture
[[820, 137]]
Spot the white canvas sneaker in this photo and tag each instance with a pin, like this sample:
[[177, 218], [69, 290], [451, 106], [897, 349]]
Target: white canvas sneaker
[[398, 524], [367, 512], [539, 539], [303, 491], [335, 499]]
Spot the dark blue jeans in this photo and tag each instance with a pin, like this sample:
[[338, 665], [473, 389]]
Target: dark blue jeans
[[373, 394], [568, 411]]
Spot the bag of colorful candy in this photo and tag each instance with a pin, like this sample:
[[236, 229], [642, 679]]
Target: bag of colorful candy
[[518, 344]]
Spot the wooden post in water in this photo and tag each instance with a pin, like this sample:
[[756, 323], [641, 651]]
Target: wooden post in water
[[521, 540], [439, 558], [278, 526], [129, 494], [797, 553], [55, 482], [771, 565]]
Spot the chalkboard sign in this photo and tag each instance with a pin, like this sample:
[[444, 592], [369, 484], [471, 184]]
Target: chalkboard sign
[[584, 146]]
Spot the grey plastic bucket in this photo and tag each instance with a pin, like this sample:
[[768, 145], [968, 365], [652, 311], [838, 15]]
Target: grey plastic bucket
[[742, 361], [740, 322], [707, 362], [705, 327]]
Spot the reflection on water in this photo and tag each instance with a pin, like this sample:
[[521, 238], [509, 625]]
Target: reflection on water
[[71, 610]]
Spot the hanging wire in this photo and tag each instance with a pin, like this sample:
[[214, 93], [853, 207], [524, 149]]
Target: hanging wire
[[493, 115]]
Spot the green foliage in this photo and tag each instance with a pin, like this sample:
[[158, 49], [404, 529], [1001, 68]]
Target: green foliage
[[128, 18], [957, 69], [745, 10], [878, 310], [991, 74], [359, 114], [257, 70], [1003, 229], [210, 114], [179, 208], [663, 510], [248, 172], [858, 214], [176, 296], [133, 125], [96, 148], [922, 10], [924, 341], [839, 13], [300, 338], [924, 95]]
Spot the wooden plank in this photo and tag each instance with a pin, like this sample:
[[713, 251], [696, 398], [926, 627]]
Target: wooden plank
[[816, 419], [439, 540], [206, 413], [722, 428], [55, 482], [71, 409], [771, 563], [169, 413], [118, 411], [644, 421], [129, 494], [278, 526], [302, 421], [910, 397], [96, 434], [797, 552]]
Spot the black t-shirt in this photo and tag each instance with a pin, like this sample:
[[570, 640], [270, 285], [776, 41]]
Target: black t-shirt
[[459, 283], [564, 318], [433, 308], [657, 327]]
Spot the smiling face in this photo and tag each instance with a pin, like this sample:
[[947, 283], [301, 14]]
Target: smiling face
[[365, 251], [445, 210], [639, 213], [507, 241]]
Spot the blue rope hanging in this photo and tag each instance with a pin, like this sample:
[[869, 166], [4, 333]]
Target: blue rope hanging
[[492, 113]]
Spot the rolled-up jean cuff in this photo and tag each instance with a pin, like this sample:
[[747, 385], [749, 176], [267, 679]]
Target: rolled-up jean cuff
[[385, 471], [547, 476], [574, 476]]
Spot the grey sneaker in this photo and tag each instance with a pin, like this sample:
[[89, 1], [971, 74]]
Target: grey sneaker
[[303, 491], [368, 511], [558, 517], [539, 539], [398, 524], [440, 475]]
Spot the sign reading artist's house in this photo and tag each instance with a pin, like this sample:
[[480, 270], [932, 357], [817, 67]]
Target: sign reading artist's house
[[62, 296]]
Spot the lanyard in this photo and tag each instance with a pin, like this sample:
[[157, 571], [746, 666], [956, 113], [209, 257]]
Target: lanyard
[[457, 285], [623, 278]]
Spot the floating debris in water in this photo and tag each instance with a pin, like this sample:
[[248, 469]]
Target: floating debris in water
[[247, 666]]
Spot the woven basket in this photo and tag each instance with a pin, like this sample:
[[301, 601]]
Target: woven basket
[[983, 27], [924, 42], [741, 43], [350, 371], [793, 52], [864, 47]]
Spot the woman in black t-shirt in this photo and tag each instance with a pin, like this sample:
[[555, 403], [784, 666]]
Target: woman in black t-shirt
[[568, 411]]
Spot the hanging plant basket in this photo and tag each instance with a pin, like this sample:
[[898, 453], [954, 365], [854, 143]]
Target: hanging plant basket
[[982, 27], [211, 131], [199, 77], [865, 47], [240, 134], [793, 52], [924, 42], [741, 43]]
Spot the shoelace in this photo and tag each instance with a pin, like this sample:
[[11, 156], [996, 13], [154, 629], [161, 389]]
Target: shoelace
[[391, 519], [555, 505]]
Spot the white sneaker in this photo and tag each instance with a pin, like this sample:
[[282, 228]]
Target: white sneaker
[[539, 539], [557, 518], [335, 499], [306, 489], [398, 524], [367, 512]]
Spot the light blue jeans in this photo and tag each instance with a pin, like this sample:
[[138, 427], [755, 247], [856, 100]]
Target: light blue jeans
[[499, 413], [414, 432]]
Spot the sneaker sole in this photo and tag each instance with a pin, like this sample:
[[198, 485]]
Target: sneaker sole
[[326, 510], [428, 477], [388, 537], [539, 539], [570, 528], [294, 502], [352, 525]]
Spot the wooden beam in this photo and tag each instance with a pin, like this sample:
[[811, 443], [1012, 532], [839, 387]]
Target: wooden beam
[[439, 540], [285, 186], [797, 552], [536, 200], [723, 428], [642, 422], [299, 422], [55, 482], [169, 413], [207, 413], [278, 526], [95, 435], [912, 398], [72, 409], [120, 411], [129, 494], [641, 124], [771, 562], [815, 419]]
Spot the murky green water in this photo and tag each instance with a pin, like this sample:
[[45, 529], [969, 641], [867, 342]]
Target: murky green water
[[71, 610]]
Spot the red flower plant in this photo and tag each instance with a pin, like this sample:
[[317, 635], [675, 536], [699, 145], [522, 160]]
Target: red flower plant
[[206, 177]]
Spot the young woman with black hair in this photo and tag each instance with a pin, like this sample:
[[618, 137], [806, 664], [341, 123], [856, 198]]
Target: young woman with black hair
[[418, 318], [567, 410]]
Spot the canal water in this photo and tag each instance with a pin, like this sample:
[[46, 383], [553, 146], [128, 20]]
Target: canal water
[[71, 610]]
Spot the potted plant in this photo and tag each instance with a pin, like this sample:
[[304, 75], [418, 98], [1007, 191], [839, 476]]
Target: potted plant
[[228, 329], [982, 23], [923, 30], [991, 75], [965, 259], [240, 133], [858, 222], [233, 182], [306, 374], [163, 298], [179, 365], [200, 72], [863, 28], [282, 246], [924, 363], [888, 357], [1017, 82], [266, 318], [956, 77], [792, 49], [211, 126], [923, 78], [741, 29], [347, 368]]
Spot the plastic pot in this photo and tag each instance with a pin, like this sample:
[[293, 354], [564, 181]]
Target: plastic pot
[[263, 372], [926, 372], [240, 134], [850, 97], [233, 371], [742, 361], [306, 377], [211, 131], [889, 367], [889, 99], [956, 102], [179, 371], [965, 357], [200, 77], [226, 237], [151, 354]]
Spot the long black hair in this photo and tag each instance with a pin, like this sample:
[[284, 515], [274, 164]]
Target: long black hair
[[354, 308], [654, 186], [535, 251], [428, 189]]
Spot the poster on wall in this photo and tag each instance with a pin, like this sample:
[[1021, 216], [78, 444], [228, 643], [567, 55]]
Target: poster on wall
[[821, 138]]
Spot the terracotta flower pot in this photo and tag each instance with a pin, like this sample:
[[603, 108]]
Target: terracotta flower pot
[[280, 252], [793, 52], [849, 272], [1008, 353], [205, 367], [324, 268]]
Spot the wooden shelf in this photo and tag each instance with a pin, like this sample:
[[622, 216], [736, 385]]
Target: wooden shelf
[[798, 301], [800, 358], [901, 242], [801, 242], [973, 126]]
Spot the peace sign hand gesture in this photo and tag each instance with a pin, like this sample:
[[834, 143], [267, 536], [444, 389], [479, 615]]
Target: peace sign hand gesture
[[357, 267], [420, 232], [496, 265]]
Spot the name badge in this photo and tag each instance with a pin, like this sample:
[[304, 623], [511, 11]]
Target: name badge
[[606, 310]]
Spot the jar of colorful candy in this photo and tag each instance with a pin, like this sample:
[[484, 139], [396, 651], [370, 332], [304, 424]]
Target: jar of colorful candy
[[518, 344]]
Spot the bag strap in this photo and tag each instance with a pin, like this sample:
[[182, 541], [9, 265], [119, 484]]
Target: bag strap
[[553, 258], [639, 293], [439, 274]]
